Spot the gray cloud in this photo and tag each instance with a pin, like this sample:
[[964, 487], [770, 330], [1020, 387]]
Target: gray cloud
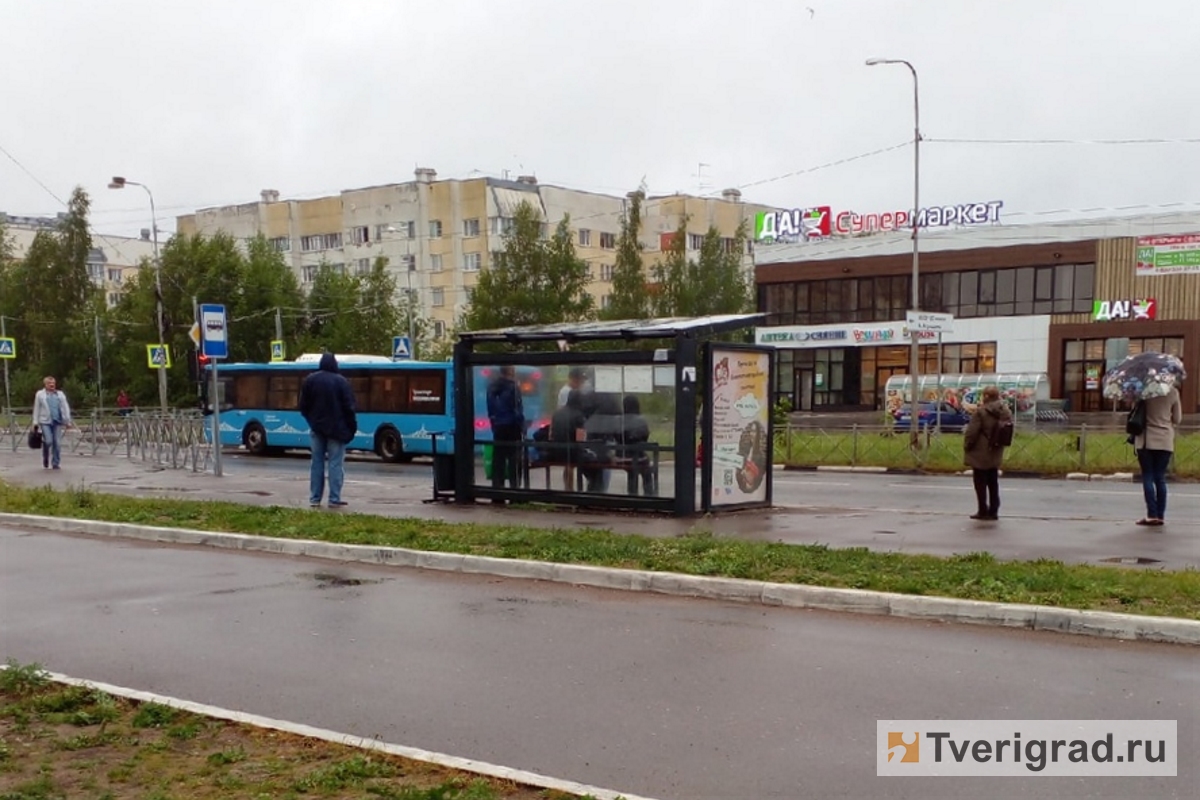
[[211, 103]]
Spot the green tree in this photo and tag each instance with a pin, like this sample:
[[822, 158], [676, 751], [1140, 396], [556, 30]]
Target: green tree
[[532, 280], [267, 285], [51, 300], [714, 283], [629, 298]]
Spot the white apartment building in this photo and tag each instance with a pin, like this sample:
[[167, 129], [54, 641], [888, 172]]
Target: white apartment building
[[112, 261], [438, 234]]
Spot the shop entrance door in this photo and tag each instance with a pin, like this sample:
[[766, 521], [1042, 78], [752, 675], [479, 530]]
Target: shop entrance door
[[804, 384]]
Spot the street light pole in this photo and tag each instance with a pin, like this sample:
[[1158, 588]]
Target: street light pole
[[915, 366], [120, 183]]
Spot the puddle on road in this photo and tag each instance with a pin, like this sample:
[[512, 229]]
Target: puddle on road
[[1137, 561], [329, 580]]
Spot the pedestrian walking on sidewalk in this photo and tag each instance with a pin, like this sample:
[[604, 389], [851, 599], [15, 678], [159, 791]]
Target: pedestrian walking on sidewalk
[[327, 404], [51, 414], [983, 453], [1154, 446]]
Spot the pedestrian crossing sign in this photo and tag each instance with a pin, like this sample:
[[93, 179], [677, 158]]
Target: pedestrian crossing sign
[[401, 348], [158, 356], [278, 351], [8, 347]]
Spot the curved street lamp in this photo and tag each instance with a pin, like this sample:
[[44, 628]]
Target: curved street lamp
[[120, 183], [915, 366]]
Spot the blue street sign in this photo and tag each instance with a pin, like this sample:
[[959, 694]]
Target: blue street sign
[[8, 347], [401, 348], [214, 330], [277, 350]]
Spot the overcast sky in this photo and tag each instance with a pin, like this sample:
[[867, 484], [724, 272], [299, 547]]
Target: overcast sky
[[210, 102]]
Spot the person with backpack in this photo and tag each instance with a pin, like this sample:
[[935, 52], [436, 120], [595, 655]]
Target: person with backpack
[[1151, 427], [987, 435]]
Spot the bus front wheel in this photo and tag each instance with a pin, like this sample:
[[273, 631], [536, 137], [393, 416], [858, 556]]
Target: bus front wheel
[[390, 446], [254, 437]]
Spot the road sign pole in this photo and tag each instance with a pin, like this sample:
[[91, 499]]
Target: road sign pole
[[7, 395], [215, 399]]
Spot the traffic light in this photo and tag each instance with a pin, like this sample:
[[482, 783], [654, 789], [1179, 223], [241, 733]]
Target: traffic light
[[197, 363]]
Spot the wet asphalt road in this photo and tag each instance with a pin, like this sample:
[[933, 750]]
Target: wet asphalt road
[[666, 697]]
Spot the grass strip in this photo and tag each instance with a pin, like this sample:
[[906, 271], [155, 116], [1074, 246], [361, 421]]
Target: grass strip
[[971, 576], [75, 741]]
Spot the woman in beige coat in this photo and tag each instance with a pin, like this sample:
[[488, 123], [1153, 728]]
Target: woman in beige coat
[[1154, 447], [983, 459]]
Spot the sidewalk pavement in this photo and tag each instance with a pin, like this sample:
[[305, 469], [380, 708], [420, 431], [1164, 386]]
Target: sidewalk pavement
[[830, 521]]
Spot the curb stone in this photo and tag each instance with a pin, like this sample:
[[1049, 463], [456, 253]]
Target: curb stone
[[428, 756], [1103, 624]]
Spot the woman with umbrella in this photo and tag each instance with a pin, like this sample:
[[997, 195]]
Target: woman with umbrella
[[1150, 380]]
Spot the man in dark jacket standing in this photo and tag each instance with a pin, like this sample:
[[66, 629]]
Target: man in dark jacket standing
[[327, 403], [506, 412], [981, 456]]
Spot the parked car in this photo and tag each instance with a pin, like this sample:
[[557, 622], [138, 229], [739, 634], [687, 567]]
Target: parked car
[[954, 420]]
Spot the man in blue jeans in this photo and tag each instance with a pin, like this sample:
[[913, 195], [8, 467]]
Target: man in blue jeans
[[327, 403]]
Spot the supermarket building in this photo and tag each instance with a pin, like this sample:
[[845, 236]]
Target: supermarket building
[[1066, 299]]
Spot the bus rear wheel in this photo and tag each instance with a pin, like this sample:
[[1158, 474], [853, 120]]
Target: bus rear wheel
[[389, 445], [254, 437]]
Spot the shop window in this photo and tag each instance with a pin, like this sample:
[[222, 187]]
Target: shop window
[[987, 288], [1074, 351], [1093, 349], [1085, 275], [950, 291], [1006, 292], [968, 294], [1173, 347], [1064, 288], [1026, 277]]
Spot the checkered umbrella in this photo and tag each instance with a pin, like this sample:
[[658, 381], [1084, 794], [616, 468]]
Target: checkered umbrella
[[1142, 376]]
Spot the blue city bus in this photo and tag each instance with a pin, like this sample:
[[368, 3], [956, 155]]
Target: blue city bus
[[401, 404]]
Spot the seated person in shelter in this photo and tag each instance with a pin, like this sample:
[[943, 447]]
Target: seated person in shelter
[[636, 431], [603, 429], [566, 429]]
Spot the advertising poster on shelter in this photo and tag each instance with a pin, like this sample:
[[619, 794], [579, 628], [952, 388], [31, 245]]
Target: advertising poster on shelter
[[740, 418]]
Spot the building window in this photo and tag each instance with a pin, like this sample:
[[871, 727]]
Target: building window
[[729, 245], [695, 241], [472, 262], [608, 241], [398, 230], [408, 263], [309, 274], [439, 329], [438, 297], [281, 244], [362, 266], [606, 272], [435, 229], [435, 262], [606, 301], [360, 234], [468, 293], [1057, 289], [320, 241], [471, 227], [114, 276], [585, 237], [1085, 362], [96, 272], [338, 268], [501, 226], [114, 299]]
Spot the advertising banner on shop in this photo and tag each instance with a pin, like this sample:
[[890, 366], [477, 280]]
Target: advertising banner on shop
[[1168, 255], [737, 438]]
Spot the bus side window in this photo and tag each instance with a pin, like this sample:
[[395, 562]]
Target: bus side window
[[283, 393], [389, 393]]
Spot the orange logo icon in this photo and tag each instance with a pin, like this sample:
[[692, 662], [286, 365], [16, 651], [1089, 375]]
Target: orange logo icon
[[904, 747]]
